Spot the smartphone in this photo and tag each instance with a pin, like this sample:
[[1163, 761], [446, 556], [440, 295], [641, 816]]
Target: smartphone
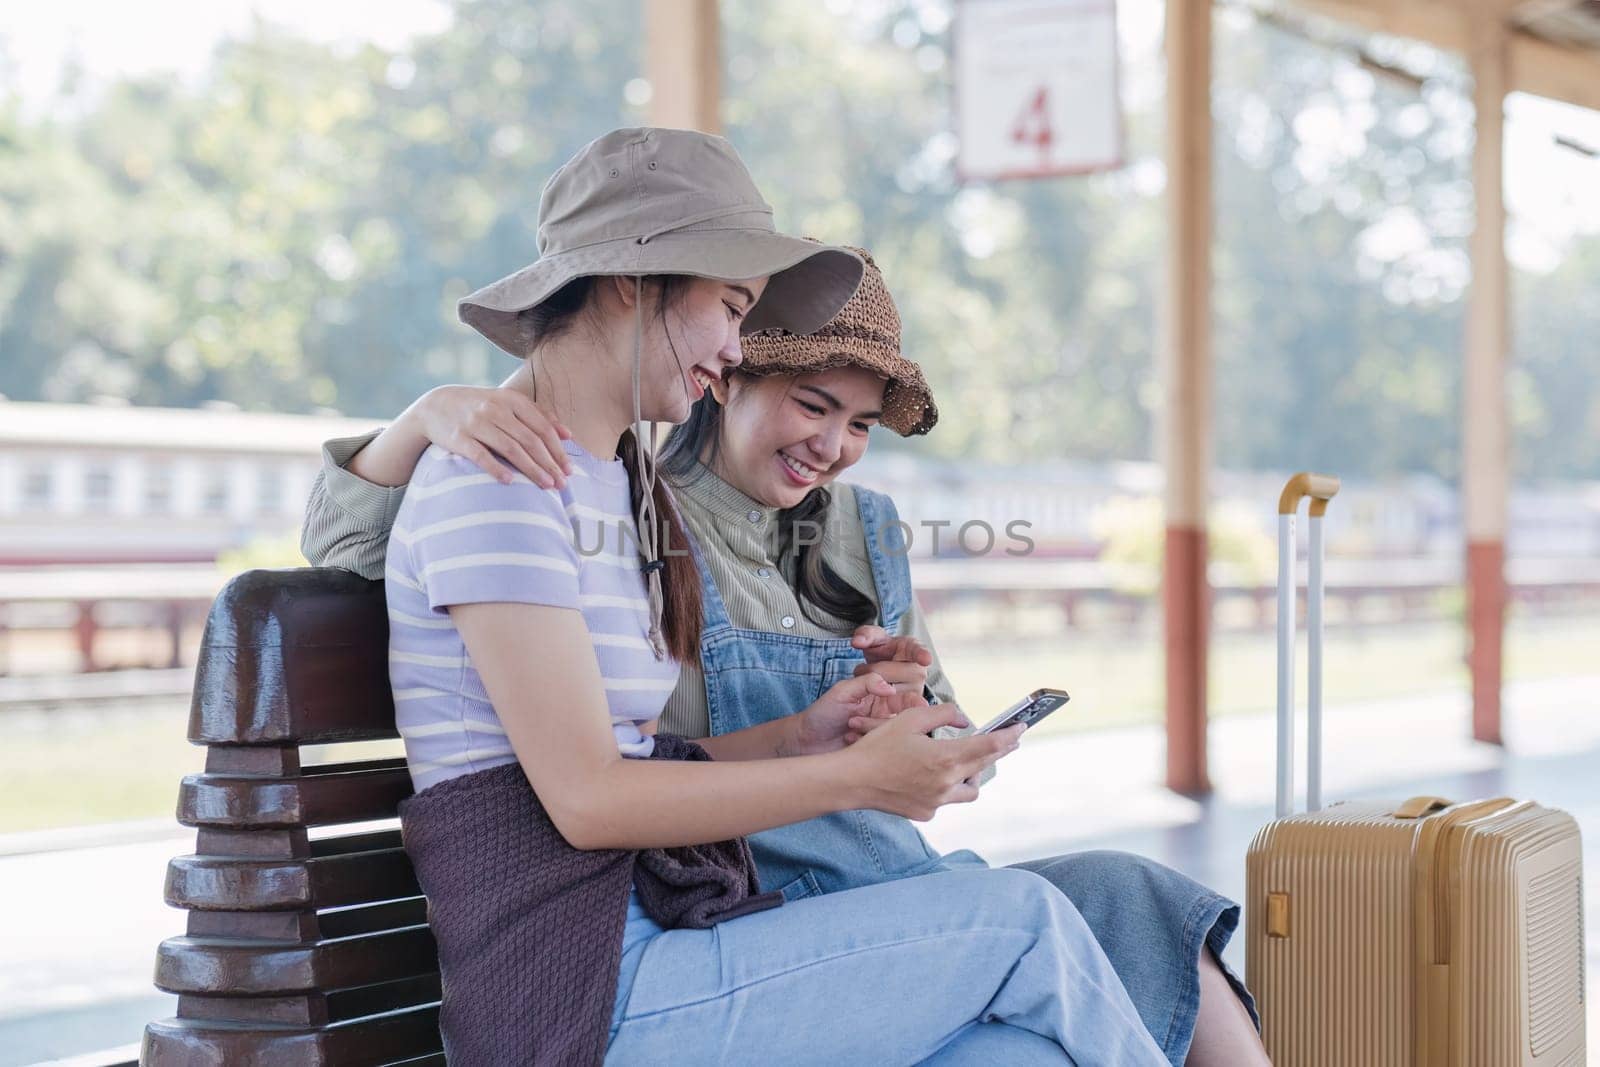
[[1029, 710]]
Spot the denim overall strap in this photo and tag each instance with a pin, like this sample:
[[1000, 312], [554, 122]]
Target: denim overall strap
[[888, 550], [713, 612]]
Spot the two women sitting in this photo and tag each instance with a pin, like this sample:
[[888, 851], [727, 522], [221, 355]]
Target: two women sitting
[[667, 743]]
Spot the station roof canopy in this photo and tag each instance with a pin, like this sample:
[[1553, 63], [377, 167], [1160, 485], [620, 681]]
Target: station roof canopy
[[1554, 45]]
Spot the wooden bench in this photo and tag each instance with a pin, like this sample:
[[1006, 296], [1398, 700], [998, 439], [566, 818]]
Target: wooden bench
[[304, 946]]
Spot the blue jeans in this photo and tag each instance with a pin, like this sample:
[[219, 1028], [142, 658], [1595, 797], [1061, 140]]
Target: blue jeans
[[914, 970], [1153, 922]]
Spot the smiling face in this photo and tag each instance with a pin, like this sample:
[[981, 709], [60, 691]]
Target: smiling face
[[784, 435], [692, 342]]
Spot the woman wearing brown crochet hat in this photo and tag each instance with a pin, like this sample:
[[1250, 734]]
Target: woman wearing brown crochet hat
[[802, 588], [772, 438]]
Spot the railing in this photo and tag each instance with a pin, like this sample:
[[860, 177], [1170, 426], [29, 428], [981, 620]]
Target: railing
[[1411, 584], [170, 598]]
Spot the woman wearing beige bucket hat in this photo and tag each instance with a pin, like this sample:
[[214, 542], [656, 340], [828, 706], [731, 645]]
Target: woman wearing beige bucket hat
[[574, 860]]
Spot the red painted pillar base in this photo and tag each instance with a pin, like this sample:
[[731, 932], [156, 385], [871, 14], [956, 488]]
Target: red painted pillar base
[[85, 630], [1187, 602], [1486, 621]]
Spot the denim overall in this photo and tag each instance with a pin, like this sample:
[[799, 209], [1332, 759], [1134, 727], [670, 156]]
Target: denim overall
[[753, 676]]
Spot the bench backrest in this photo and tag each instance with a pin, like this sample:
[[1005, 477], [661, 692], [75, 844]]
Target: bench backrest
[[304, 945]]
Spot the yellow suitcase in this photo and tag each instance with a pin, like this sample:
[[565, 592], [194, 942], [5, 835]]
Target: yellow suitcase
[[1417, 931]]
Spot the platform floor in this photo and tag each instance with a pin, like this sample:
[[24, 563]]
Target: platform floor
[[62, 995]]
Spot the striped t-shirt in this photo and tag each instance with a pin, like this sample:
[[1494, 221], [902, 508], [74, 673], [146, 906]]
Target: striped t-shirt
[[461, 537]]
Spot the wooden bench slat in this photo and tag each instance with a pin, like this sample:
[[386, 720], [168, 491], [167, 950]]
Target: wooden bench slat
[[387, 763], [345, 844], [256, 967], [307, 926], [323, 799], [370, 918], [229, 883], [369, 1042], [344, 1004]]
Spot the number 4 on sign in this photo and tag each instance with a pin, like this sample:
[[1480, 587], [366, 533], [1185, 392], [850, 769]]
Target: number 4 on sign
[[1033, 123]]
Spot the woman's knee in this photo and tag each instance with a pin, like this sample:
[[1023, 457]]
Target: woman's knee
[[1104, 875], [1105, 865], [1004, 882], [1022, 896]]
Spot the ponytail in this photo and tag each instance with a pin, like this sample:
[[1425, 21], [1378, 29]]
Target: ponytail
[[815, 582]]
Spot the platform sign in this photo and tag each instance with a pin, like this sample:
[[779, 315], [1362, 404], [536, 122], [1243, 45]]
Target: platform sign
[[1036, 88]]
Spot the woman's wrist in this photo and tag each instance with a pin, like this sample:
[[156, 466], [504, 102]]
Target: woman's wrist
[[792, 740], [799, 739], [392, 456], [847, 780]]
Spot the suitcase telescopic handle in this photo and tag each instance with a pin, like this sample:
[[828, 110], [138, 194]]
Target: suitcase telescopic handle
[[1321, 488]]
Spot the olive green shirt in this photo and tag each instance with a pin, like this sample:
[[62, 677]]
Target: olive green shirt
[[348, 521]]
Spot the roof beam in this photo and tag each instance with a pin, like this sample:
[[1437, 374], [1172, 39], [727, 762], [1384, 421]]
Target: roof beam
[[1543, 68], [1537, 66], [1440, 25]]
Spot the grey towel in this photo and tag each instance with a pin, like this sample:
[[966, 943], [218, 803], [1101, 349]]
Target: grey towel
[[698, 885]]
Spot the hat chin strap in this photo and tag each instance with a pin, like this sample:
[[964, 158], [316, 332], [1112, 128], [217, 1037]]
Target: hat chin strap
[[648, 531]]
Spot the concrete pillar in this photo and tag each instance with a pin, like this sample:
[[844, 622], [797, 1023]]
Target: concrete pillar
[[1485, 437], [683, 63], [1187, 412]]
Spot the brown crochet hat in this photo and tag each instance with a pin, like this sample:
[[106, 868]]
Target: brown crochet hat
[[865, 333]]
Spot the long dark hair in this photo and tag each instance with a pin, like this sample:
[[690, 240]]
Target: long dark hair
[[680, 580], [816, 584]]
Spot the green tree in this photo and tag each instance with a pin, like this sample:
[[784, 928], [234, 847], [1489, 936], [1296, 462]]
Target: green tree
[[294, 231]]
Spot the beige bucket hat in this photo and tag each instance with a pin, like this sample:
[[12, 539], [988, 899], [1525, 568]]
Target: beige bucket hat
[[659, 201], [865, 333]]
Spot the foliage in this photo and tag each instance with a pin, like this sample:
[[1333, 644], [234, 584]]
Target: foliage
[[1132, 533], [292, 233], [281, 550]]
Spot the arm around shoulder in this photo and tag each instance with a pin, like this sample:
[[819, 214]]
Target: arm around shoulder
[[348, 519]]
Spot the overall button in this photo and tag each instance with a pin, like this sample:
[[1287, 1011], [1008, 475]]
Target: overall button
[[763, 572], [753, 515], [787, 622]]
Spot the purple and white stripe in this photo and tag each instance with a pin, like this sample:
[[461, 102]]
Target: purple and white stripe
[[461, 537]]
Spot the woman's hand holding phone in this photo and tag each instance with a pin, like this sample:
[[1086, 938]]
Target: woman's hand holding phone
[[905, 772], [861, 725]]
